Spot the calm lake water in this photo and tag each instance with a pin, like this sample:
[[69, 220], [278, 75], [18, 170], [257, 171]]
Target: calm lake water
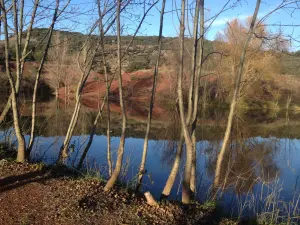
[[262, 163]]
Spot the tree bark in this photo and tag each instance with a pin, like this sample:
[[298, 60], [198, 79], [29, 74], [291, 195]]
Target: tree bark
[[88, 62], [107, 87], [24, 53], [37, 78], [149, 119], [186, 192], [92, 133], [235, 98], [14, 99], [200, 6], [174, 171], [117, 169]]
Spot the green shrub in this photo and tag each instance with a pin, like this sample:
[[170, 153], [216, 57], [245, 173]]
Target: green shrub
[[138, 63]]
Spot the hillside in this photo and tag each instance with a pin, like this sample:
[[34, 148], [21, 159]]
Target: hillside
[[75, 40], [290, 62]]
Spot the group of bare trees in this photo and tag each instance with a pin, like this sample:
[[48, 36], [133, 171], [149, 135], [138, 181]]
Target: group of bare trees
[[18, 22], [62, 67]]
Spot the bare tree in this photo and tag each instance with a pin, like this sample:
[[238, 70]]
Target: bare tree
[[85, 69], [117, 169], [14, 98], [174, 171], [186, 192], [235, 96], [108, 81], [107, 85], [38, 74], [145, 148], [25, 52], [196, 95], [88, 56]]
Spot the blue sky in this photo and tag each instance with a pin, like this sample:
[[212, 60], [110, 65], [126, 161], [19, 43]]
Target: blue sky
[[242, 10]]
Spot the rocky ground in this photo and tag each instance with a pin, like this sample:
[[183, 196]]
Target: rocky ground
[[36, 194]]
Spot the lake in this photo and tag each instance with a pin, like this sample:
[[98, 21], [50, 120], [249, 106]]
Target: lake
[[260, 171]]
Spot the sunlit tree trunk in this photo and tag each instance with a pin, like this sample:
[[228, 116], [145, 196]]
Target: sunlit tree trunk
[[118, 166], [200, 7], [14, 100], [37, 78], [145, 148], [24, 53], [235, 98], [92, 133], [186, 192], [84, 75], [175, 168], [107, 87], [194, 66]]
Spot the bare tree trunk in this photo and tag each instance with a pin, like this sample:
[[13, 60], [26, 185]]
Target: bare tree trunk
[[196, 96], [235, 97], [65, 146], [87, 68], [174, 171], [88, 62], [117, 169], [92, 133], [14, 100], [107, 85], [186, 192], [194, 60], [145, 148], [24, 53], [17, 45], [56, 91], [37, 78]]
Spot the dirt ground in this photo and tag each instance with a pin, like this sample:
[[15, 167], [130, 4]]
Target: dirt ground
[[35, 194]]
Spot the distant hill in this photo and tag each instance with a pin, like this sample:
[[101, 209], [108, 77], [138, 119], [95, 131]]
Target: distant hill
[[290, 63]]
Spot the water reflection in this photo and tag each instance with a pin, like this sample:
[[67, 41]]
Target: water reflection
[[259, 153]]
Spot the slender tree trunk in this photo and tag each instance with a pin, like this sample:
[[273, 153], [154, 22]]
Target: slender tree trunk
[[17, 45], [194, 65], [14, 100], [56, 91], [24, 53], [88, 62], [37, 78], [65, 94], [117, 169], [186, 192], [145, 148], [196, 97], [174, 171], [107, 86], [92, 133], [235, 98], [175, 168]]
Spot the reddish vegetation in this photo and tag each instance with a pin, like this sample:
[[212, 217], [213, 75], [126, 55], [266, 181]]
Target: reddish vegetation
[[137, 88]]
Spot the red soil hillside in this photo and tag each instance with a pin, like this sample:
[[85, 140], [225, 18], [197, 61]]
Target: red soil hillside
[[137, 88]]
